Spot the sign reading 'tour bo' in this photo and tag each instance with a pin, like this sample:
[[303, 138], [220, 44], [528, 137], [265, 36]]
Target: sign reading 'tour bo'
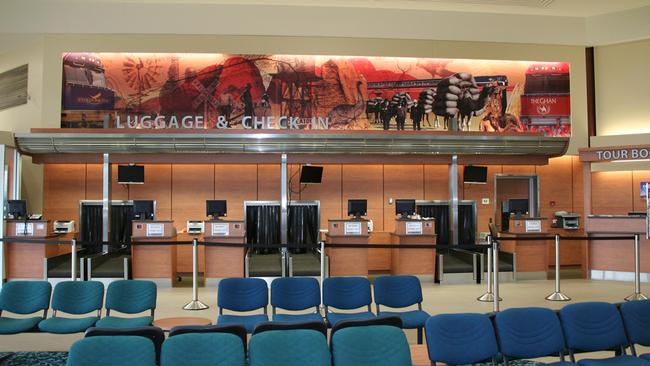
[[615, 153]]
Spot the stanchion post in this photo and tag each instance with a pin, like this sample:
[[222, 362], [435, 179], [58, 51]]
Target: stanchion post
[[73, 265], [637, 295], [322, 270], [557, 295], [488, 296], [195, 304], [495, 269]]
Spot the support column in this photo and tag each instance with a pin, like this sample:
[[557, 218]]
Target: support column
[[3, 197], [106, 201], [18, 169], [284, 212], [453, 200]]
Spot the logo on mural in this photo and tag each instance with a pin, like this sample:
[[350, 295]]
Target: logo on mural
[[221, 91]]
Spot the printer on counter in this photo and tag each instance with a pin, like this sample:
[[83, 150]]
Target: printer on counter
[[566, 220], [195, 227], [63, 226]]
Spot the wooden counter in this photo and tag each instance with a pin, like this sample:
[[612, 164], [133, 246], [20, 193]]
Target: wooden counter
[[532, 255], [155, 262], [616, 255], [413, 261], [222, 262], [347, 261]]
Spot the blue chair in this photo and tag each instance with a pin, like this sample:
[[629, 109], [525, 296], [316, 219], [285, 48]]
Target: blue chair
[[596, 326], [636, 317], [289, 344], [205, 345], [154, 334], [373, 342], [346, 293], [23, 297], [129, 297], [401, 292], [529, 333], [458, 339], [242, 294], [295, 294], [74, 297], [112, 351]]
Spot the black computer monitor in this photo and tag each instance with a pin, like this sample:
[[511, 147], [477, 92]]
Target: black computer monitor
[[405, 207], [475, 174], [17, 209], [130, 174], [357, 208], [311, 174], [216, 208], [518, 206], [143, 210]]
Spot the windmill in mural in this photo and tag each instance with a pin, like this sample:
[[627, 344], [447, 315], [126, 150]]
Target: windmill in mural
[[141, 75]]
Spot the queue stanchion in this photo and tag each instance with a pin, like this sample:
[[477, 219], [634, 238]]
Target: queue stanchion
[[557, 295], [322, 270], [195, 304], [73, 265], [488, 296], [637, 295], [495, 268]]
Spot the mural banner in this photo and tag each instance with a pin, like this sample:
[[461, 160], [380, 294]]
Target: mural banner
[[223, 91]]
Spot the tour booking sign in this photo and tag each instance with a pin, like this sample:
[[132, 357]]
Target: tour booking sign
[[297, 92]]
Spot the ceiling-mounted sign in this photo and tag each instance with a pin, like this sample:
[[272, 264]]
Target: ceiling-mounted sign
[[147, 91], [617, 153]]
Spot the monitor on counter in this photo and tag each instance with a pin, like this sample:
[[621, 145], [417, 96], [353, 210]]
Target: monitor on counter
[[357, 208], [475, 174], [130, 174], [216, 208], [405, 207], [310, 174], [143, 210], [17, 209], [518, 206]]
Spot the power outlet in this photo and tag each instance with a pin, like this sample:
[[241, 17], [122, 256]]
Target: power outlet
[[485, 201]]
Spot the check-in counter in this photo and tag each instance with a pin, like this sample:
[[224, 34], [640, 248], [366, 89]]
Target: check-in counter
[[154, 262], [413, 261], [347, 261], [614, 259], [27, 260], [222, 262], [532, 255]]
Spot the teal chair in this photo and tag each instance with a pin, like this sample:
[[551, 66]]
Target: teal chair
[[112, 351], [23, 297], [129, 297], [213, 345], [289, 344], [78, 298]]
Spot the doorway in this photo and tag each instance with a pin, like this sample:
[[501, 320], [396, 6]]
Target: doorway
[[515, 195]]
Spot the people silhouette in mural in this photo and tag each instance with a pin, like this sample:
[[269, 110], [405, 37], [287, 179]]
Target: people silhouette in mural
[[385, 113], [247, 99], [400, 115], [417, 110]]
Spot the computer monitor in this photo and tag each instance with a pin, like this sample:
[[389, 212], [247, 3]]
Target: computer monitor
[[518, 206], [130, 174], [357, 208], [405, 207], [17, 209], [475, 174], [216, 208], [143, 210], [311, 174]]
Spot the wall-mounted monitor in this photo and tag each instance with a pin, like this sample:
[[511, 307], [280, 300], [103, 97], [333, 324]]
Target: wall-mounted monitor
[[518, 206], [405, 207], [130, 174], [216, 208], [475, 174], [357, 208], [17, 209], [310, 174], [144, 210]]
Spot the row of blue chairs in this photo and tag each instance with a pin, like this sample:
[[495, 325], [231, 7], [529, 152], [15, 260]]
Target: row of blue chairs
[[377, 341], [528, 333], [303, 293], [76, 298]]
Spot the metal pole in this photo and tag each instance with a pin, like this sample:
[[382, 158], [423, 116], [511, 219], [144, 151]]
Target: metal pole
[[495, 266], [3, 197], [453, 200], [488, 296], [106, 201], [637, 295], [284, 211], [195, 304], [73, 265], [557, 295], [322, 270], [18, 168]]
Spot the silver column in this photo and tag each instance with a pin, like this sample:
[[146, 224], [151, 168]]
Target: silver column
[[453, 199], [73, 265], [195, 304], [495, 266], [106, 201], [637, 295], [18, 169], [3, 197], [322, 270], [557, 295], [284, 212]]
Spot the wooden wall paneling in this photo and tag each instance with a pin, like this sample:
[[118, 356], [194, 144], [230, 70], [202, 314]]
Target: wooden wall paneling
[[157, 186], [611, 192], [64, 187], [236, 184], [639, 203], [578, 185], [507, 189], [401, 182], [328, 193], [192, 185], [95, 179], [436, 182], [268, 182], [379, 259], [365, 182], [555, 186], [476, 192], [519, 169]]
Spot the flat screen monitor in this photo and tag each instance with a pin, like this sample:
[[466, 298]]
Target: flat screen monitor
[[17, 209], [518, 206], [130, 174], [143, 210], [405, 207], [216, 208], [311, 174], [475, 175], [357, 208]]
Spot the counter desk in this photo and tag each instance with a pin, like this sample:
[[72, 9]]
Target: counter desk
[[155, 262], [532, 255]]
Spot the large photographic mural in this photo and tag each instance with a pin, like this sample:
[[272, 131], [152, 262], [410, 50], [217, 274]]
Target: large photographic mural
[[223, 91]]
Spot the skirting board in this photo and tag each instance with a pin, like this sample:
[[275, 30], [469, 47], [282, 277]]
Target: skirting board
[[617, 276]]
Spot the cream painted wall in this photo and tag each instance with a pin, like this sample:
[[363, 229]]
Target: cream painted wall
[[622, 88]]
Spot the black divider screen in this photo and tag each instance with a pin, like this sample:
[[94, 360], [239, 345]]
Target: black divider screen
[[467, 224], [263, 226], [303, 226], [121, 223], [91, 225], [440, 212]]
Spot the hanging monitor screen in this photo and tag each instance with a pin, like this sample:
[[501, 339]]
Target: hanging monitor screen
[[475, 174], [130, 174], [311, 174]]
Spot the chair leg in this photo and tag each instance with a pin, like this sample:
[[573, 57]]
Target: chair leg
[[420, 335]]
